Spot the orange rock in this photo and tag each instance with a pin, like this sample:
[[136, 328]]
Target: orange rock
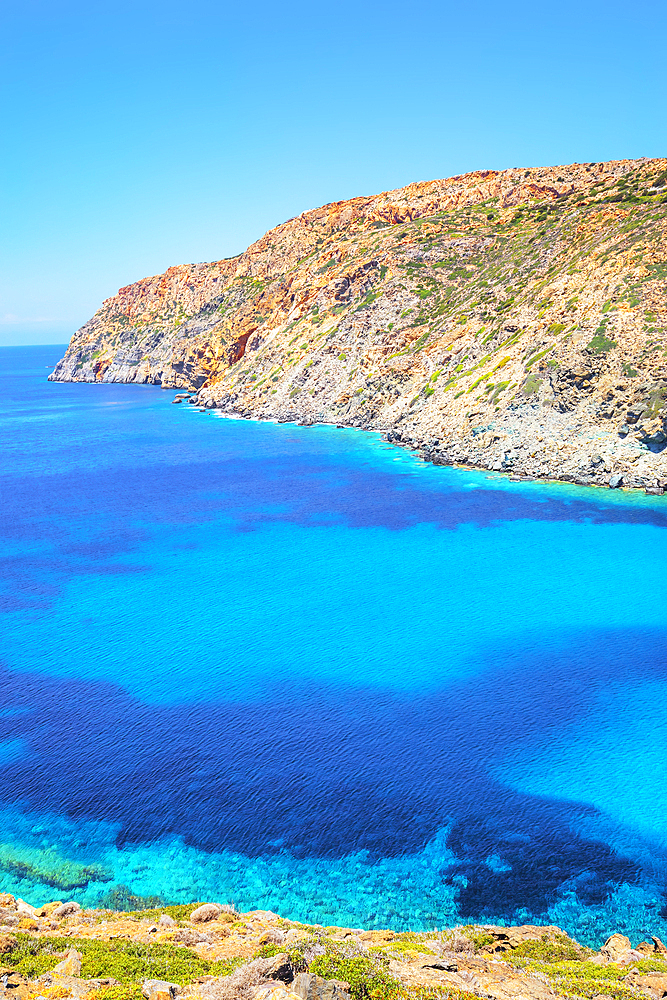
[[372, 312], [70, 966]]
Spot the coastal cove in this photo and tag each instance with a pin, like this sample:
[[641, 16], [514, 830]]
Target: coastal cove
[[300, 669]]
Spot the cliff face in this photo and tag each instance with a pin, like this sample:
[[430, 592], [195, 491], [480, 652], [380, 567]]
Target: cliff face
[[512, 320]]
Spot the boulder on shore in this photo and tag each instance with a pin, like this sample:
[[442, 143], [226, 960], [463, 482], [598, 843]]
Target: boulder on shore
[[205, 912]]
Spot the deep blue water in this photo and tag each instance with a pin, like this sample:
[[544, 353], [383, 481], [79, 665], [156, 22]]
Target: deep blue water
[[298, 669]]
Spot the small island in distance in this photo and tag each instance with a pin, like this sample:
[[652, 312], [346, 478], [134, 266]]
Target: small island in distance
[[507, 320]]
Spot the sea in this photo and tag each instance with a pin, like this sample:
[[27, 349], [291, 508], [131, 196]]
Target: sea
[[298, 669]]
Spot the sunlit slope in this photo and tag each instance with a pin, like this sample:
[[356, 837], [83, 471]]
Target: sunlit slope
[[510, 319]]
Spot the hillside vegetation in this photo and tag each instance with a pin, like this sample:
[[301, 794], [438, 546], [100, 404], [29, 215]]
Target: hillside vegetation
[[212, 952], [512, 320]]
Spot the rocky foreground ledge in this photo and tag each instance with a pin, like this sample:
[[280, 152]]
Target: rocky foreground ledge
[[510, 320], [207, 951]]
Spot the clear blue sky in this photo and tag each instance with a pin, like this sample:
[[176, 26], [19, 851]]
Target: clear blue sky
[[139, 134]]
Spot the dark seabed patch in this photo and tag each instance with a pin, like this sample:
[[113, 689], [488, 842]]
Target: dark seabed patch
[[316, 673], [325, 772]]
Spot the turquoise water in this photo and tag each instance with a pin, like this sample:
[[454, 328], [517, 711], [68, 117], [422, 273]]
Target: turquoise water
[[299, 669]]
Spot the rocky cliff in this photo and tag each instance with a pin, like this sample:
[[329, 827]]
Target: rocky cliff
[[212, 952], [511, 320]]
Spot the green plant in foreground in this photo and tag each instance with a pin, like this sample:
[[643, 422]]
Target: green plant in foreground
[[131, 992], [584, 979], [180, 911], [367, 975], [479, 937], [127, 961], [225, 966], [559, 948], [407, 948]]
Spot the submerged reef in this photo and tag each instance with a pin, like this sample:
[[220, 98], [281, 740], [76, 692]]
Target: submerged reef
[[209, 951], [49, 868], [510, 320]]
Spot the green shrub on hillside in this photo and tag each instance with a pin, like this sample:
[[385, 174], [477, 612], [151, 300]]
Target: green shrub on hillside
[[600, 343], [367, 975], [584, 979], [559, 948], [127, 961], [479, 937], [177, 912]]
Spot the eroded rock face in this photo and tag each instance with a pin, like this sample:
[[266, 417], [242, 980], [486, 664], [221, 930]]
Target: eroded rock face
[[70, 966], [615, 947], [160, 989], [276, 967], [273, 991], [505, 939], [498, 319], [13, 986], [310, 987], [654, 983]]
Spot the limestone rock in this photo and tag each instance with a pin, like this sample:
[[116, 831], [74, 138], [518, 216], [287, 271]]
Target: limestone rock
[[272, 936], [266, 916], [205, 912], [65, 910], [439, 964], [273, 991], [7, 942], [70, 966], [7, 900], [310, 987], [166, 921], [654, 982], [616, 948], [507, 938], [13, 986], [275, 967], [160, 989], [659, 946]]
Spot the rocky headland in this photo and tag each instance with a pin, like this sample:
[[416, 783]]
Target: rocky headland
[[510, 320], [209, 951]]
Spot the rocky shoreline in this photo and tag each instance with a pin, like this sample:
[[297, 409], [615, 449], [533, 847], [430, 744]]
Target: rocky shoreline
[[496, 452], [550, 452], [209, 951], [508, 320]]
